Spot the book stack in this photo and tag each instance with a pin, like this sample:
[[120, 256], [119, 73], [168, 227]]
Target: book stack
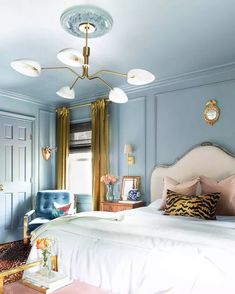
[[130, 201], [46, 284]]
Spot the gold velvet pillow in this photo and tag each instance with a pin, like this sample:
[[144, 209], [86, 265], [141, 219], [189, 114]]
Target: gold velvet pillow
[[201, 206]]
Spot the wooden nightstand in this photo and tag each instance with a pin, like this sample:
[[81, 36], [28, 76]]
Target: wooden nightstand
[[116, 206]]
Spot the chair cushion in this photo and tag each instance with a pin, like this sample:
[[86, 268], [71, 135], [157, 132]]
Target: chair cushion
[[45, 199], [35, 223]]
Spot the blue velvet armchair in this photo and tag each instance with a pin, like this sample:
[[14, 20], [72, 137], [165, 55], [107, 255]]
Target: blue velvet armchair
[[43, 211]]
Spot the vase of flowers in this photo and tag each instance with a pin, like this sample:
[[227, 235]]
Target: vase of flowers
[[44, 244], [109, 181]]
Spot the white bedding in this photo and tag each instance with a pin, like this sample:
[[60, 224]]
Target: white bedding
[[141, 251]]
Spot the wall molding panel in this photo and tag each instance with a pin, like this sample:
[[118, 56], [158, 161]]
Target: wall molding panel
[[46, 137], [172, 121]]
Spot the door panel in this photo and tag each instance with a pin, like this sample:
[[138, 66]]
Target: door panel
[[15, 176]]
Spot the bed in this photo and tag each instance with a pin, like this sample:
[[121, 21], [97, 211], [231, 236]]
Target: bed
[[142, 251]]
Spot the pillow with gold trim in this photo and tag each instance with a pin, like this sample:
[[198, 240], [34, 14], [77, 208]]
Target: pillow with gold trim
[[201, 206]]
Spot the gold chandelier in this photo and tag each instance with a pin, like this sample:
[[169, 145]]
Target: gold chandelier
[[81, 21]]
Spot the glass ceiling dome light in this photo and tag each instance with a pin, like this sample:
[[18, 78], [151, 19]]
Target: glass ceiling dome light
[[139, 77], [66, 92], [117, 95], [81, 21], [27, 67], [70, 57]]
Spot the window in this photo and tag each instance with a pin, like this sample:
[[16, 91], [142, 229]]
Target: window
[[80, 181]]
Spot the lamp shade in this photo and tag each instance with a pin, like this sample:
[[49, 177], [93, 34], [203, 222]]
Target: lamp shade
[[139, 77], [70, 57], [66, 92], [117, 95], [27, 67], [128, 149]]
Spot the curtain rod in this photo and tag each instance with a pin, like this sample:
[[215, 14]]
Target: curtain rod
[[79, 105], [76, 106]]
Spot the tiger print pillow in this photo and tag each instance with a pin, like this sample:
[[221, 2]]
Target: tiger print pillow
[[201, 206]]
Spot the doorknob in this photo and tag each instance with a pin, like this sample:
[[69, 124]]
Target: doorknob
[[1, 187]]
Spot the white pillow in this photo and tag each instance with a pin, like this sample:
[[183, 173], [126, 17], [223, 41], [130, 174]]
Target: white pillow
[[156, 204]]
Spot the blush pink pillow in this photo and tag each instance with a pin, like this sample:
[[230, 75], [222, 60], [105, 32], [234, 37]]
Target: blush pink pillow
[[188, 188], [226, 203], [62, 207]]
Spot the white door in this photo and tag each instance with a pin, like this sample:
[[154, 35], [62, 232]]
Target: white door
[[15, 176]]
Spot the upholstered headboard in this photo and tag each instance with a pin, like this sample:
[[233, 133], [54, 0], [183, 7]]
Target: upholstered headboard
[[207, 159]]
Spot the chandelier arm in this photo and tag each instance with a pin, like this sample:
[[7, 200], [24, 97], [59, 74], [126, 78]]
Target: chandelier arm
[[63, 67], [109, 72], [75, 82], [86, 35], [103, 81]]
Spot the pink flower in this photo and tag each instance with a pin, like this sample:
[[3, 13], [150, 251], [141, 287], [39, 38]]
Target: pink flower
[[109, 179], [43, 243]]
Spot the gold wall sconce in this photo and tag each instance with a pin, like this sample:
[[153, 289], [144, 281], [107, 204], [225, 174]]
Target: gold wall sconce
[[46, 152], [128, 150], [211, 112]]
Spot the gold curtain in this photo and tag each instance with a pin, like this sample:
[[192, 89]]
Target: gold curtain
[[99, 147], [63, 129]]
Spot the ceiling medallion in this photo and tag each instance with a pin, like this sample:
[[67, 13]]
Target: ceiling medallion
[[85, 22], [74, 19]]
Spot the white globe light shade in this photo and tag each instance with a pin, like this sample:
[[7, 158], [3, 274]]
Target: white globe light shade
[[27, 67], [117, 95], [66, 92], [139, 77], [71, 57]]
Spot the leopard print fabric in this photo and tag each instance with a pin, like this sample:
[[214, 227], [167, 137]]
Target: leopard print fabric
[[12, 255]]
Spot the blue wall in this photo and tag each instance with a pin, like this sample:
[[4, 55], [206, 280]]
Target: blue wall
[[164, 121]]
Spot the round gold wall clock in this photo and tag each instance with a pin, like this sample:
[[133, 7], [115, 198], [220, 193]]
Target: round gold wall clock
[[211, 112]]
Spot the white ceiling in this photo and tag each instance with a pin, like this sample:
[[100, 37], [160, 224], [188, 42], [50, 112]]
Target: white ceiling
[[166, 37]]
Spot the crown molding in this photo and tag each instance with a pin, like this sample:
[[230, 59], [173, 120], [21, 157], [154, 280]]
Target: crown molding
[[23, 98], [196, 78], [199, 77]]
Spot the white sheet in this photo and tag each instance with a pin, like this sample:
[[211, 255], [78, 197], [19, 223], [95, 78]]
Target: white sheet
[[143, 251]]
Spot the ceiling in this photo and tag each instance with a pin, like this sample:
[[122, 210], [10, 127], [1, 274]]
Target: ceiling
[[166, 37]]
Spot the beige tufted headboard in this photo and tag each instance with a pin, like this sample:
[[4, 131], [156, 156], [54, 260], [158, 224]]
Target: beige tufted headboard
[[208, 160]]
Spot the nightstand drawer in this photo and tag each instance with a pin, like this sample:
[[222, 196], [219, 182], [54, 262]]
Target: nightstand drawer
[[109, 207]]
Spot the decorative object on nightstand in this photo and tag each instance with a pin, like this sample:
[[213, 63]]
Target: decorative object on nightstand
[[109, 181], [128, 149], [211, 112], [133, 195], [121, 205], [129, 183], [46, 280]]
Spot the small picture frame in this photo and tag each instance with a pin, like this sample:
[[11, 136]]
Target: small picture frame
[[128, 183]]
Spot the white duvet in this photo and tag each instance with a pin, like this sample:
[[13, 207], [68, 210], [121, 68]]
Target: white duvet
[[141, 251]]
